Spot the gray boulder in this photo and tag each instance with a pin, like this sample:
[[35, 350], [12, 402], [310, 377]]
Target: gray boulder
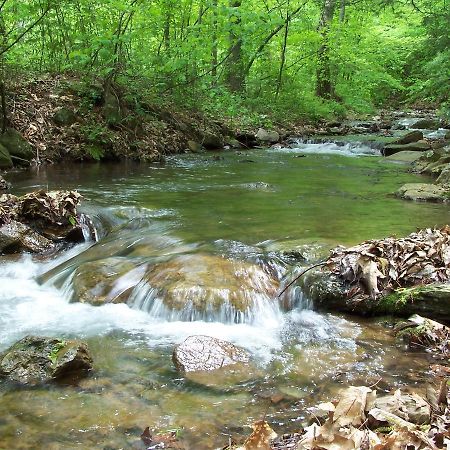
[[201, 353], [270, 137], [423, 192], [34, 360], [5, 158], [17, 237], [17, 145]]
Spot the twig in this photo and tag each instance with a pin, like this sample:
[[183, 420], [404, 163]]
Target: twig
[[298, 276]]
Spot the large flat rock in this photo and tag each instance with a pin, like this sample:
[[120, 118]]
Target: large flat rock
[[424, 192], [405, 156]]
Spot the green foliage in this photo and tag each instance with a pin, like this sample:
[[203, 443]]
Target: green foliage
[[53, 355], [376, 53]]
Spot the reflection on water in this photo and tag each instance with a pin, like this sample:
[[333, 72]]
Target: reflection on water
[[271, 213]]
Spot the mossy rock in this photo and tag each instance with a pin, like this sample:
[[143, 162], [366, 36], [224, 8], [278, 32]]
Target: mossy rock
[[17, 145], [5, 158], [426, 124], [444, 177], [412, 147], [35, 359], [328, 292], [432, 300], [64, 117], [424, 192]]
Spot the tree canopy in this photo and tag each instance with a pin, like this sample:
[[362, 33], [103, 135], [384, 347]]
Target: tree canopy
[[292, 57]]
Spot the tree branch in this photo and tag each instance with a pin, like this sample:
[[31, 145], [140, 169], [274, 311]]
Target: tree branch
[[21, 35], [273, 33]]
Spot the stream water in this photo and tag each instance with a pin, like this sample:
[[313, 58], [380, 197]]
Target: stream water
[[245, 206]]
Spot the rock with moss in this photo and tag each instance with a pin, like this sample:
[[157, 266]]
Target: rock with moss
[[267, 137], [424, 192], [330, 293], [64, 117], [35, 360], [408, 138], [429, 157], [108, 280], [212, 141], [426, 124], [444, 176], [404, 156], [419, 146], [192, 287], [18, 147], [432, 300], [205, 353], [5, 158]]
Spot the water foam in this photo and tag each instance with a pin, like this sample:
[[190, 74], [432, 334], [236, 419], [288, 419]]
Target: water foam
[[329, 148]]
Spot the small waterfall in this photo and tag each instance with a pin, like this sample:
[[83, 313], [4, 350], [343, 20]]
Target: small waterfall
[[206, 306], [88, 228], [327, 147]]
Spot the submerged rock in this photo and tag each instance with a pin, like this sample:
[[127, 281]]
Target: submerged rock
[[200, 353], [35, 359], [200, 286], [105, 281], [423, 192]]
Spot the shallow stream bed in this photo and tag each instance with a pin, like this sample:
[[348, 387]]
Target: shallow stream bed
[[248, 206]]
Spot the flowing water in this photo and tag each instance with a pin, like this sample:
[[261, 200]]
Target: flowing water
[[260, 210]]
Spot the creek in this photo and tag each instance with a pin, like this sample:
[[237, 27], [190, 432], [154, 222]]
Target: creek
[[247, 206]]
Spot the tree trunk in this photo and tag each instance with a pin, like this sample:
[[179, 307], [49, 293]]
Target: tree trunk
[[325, 86], [235, 76], [214, 50]]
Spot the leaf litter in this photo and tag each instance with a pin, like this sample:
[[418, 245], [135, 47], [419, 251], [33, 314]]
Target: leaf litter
[[378, 267]]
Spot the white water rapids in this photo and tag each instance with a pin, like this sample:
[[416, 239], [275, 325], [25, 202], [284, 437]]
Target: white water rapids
[[26, 307]]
